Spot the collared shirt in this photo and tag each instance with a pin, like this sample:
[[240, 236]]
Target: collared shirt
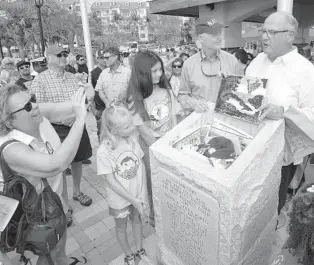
[[290, 80], [195, 85], [114, 84], [25, 83], [53, 87], [48, 134]]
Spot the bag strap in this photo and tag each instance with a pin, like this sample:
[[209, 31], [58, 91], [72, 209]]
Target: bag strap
[[5, 168]]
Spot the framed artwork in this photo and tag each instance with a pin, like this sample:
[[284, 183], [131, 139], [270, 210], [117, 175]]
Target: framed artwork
[[241, 97]]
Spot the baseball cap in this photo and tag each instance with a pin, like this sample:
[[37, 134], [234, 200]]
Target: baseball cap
[[55, 49], [100, 53], [20, 63], [210, 26]]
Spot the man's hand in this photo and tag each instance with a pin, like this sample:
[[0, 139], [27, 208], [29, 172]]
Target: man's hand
[[271, 111], [200, 105], [78, 104]]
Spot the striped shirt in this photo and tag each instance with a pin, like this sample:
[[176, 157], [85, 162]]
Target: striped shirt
[[196, 85], [53, 87]]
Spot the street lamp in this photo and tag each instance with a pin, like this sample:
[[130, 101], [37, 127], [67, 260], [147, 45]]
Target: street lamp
[[39, 4]]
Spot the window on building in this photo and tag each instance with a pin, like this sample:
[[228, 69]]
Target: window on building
[[139, 4], [142, 35], [142, 27], [127, 3], [142, 12]]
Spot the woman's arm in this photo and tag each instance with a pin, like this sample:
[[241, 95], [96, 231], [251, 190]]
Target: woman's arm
[[146, 134], [22, 158]]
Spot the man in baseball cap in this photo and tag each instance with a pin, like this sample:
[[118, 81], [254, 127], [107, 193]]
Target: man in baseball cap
[[201, 73], [26, 78], [55, 50]]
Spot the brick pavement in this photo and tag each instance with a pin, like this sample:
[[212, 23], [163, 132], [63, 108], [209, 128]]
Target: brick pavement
[[91, 237]]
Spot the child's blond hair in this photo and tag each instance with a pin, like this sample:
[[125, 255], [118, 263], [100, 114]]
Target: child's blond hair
[[110, 127]]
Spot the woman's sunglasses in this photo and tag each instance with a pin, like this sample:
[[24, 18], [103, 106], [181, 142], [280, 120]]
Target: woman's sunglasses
[[177, 66], [64, 54], [28, 106], [24, 67]]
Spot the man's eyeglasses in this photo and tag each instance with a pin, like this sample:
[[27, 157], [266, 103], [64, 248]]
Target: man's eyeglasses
[[64, 54], [24, 67], [28, 106], [177, 66], [108, 57], [271, 33]]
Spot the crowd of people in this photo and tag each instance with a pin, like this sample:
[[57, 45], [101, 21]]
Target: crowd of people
[[134, 106]]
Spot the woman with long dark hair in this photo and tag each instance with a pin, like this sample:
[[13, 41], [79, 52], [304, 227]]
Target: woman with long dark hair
[[152, 103]]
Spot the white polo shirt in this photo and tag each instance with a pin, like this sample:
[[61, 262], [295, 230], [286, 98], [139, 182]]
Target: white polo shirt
[[48, 134], [290, 80]]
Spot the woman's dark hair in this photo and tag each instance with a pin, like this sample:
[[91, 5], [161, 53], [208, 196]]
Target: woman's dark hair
[[242, 56], [301, 225], [141, 83], [183, 54]]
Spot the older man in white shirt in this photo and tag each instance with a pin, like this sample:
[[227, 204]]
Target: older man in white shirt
[[291, 79]]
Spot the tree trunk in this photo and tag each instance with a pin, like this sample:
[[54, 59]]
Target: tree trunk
[[32, 51], [9, 51]]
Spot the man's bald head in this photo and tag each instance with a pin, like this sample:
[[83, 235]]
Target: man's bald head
[[278, 33], [283, 20]]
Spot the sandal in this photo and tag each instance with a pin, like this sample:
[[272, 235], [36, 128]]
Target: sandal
[[83, 199], [140, 253], [129, 259], [69, 218]]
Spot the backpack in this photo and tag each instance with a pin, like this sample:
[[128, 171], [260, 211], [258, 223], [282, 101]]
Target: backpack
[[38, 222]]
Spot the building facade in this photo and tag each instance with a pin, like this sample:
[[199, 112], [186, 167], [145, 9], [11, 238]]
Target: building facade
[[123, 15]]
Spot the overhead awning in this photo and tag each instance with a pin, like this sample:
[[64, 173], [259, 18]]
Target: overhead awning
[[186, 8]]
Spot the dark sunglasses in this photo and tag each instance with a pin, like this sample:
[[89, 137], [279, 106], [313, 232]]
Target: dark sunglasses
[[24, 67], [176, 66], [64, 54], [28, 106]]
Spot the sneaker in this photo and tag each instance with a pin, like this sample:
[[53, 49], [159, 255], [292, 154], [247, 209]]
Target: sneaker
[[129, 259], [68, 171], [140, 253]]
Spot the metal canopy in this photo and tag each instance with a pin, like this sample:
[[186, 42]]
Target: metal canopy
[[190, 8]]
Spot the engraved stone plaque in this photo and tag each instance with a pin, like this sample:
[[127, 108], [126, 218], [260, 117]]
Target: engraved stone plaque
[[190, 221]]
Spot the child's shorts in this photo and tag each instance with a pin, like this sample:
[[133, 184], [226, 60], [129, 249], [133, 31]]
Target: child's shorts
[[121, 213]]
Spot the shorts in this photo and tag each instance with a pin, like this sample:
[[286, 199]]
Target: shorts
[[84, 150], [121, 213]]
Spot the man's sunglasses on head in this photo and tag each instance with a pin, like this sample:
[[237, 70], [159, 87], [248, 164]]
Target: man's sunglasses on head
[[64, 54], [28, 106]]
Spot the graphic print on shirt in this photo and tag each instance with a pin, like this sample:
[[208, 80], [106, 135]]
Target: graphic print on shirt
[[127, 165], [159, 112]]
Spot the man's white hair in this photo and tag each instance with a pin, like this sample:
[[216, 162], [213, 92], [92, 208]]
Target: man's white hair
[[291, 21]]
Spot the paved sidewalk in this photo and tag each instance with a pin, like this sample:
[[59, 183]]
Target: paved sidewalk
[[91, 238]]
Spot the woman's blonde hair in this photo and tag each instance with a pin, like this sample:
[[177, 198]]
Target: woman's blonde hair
[[110, 126], [5, 118]]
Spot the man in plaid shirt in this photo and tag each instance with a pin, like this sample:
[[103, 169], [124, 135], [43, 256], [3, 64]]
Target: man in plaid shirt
[[55, 85]]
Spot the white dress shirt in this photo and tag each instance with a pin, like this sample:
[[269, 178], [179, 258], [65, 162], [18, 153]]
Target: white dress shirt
[[290, 81]]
